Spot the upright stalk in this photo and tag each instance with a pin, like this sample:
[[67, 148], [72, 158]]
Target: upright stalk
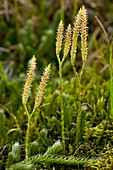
[[61, 102], [27, 134], [62, 105], [75, 7], [79, 27], [79, 116], [60, 62], [62, 9], [38, 98]]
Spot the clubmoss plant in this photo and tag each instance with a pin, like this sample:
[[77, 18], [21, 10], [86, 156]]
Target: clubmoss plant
[[38, 98], [80, 26], [60, 62]]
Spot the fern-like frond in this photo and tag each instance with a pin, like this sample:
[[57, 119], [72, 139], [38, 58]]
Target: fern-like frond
[[64, 160]]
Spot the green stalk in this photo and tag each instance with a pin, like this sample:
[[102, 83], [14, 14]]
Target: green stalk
[[79, 116], [60, 62], [62, 10], [27, 134], [27, 139], [75, 7], [111, 81], [61, 100], [62, 110], [82, 70], [29, 116]]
